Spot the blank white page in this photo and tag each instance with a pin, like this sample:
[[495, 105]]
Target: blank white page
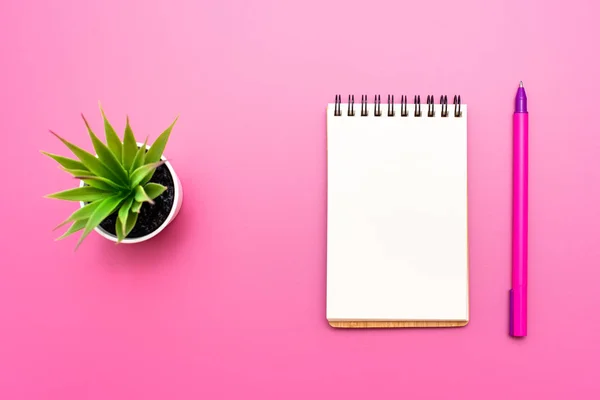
[[397, 216]]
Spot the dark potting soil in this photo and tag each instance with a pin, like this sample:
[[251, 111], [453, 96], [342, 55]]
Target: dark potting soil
[[151, 216]]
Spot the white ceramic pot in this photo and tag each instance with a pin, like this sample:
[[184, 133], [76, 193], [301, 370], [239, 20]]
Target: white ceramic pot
[[177, 200]]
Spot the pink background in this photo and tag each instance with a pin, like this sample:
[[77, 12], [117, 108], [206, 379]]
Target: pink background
[[229, 301]]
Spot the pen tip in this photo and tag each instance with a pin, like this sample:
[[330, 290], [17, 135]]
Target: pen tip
[[521, 84]]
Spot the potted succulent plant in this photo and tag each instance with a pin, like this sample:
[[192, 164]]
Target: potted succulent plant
[[128, 192]]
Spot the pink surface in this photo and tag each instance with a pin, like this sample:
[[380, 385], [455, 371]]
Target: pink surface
[[229, 302]]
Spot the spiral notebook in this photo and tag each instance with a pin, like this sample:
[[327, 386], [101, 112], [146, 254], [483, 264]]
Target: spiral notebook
[[397, 244]]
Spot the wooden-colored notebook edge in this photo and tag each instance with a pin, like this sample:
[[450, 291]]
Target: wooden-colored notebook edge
[[397, 324]]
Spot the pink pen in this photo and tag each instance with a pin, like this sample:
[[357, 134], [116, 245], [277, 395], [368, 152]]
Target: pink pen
[[518, 293]]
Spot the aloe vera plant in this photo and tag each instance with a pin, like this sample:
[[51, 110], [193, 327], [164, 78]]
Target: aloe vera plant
[[116, 179]]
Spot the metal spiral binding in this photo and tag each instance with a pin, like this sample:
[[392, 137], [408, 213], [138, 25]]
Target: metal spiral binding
[[337, 110], [363, 106], [444, 104], [457, 112], [430, 106], [417, 106], [364, 110], [390, 106], [404, 106]]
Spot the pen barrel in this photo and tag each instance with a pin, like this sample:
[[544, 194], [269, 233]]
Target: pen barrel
[[519, 224], [520, 199]]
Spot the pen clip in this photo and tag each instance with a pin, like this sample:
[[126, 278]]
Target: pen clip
[[511, 311]]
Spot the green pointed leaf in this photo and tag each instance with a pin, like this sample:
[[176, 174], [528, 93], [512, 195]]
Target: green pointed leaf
[[130, 147], [67, 163], [141, 196], [106, 156], [139, 158], [100, 182], [85, 193], [158, 147], [81, 213], [136, 206], [156, 150], [104, 209], [153, 190], [112, 139], [75, 227], [142, 172], [78, 172], [120, 231], [90, 162], [124, 212], [131, 221]]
